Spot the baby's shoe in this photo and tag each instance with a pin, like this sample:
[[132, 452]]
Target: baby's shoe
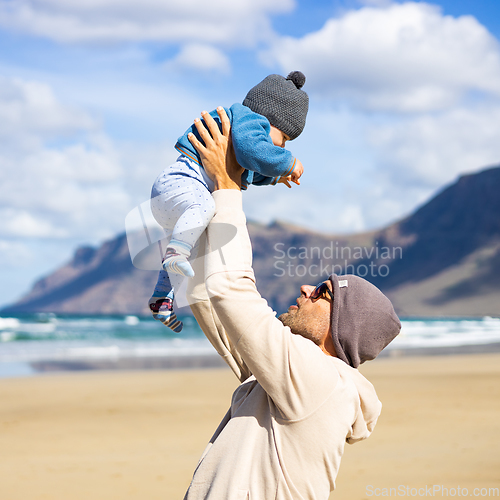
[[175, 262], [162, 308]]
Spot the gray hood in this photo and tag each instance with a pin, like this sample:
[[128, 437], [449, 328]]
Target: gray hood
[[363, 320]]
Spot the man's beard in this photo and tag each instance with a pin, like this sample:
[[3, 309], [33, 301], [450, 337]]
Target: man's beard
[[307, 327]]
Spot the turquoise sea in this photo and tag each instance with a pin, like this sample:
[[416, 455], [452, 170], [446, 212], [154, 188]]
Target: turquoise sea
[[28, 341]]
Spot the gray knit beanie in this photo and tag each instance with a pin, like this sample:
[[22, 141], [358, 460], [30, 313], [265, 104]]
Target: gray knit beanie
[[281, 101], [363, 319]]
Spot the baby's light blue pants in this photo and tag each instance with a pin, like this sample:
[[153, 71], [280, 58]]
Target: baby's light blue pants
[[182, 203]]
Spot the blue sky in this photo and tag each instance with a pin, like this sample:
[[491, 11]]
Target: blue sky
[[404, 98]]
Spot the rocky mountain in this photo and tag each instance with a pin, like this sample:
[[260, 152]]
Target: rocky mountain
[[444, 259]]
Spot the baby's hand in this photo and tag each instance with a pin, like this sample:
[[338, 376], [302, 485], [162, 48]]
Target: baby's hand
[[285, 180], [297, 172]]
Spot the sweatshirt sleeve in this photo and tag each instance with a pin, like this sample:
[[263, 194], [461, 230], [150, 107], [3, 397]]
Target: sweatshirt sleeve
[[206, 317], [285, 365], [253, 146]]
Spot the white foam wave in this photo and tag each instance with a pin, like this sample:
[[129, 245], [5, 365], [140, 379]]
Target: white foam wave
[[9, 323], [447, 333], [131, 320]]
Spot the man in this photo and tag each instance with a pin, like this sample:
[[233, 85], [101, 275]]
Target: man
[[301, 397]]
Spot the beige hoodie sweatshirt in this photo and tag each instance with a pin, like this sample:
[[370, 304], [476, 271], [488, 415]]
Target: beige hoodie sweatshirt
[[284, 434]]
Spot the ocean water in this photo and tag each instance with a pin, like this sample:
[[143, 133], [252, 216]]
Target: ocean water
[[46, 337], [25, 340]]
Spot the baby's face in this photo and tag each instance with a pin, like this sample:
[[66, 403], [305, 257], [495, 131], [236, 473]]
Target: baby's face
[[278, 137]]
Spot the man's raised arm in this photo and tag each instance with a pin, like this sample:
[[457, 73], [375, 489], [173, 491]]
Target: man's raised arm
[[272, 353], [215, 157]]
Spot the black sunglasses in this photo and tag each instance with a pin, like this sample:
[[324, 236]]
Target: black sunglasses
[[320, 292]]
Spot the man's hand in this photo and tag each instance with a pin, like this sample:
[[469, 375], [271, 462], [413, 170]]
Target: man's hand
[[217, 155]]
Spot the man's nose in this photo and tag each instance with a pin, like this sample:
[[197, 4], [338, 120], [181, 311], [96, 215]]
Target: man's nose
[[306, 290]]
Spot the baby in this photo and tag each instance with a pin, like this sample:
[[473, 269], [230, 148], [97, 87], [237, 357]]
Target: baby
[[273, 112]]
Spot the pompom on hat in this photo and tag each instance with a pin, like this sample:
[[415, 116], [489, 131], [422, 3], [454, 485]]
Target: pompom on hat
[[281, 101], [363, 320]]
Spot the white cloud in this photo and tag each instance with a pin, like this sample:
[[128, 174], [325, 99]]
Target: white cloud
[[197, 56], [404, 58], [218, 21], [30, 113], [304, 207], [432, 150], [25, 224], [51, 190]]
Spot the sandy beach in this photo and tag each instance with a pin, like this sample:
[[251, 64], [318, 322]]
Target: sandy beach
[[138, 435]]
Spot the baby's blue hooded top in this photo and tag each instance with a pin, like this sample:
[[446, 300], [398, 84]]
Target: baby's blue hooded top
[[264, 163]]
